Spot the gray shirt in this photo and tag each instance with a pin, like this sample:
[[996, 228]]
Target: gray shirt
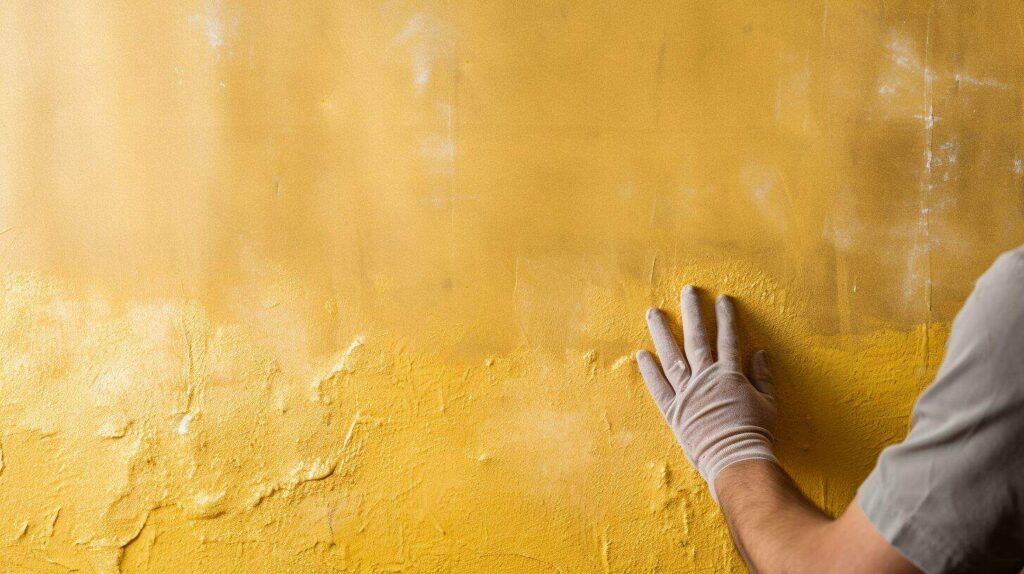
[[951, 496]]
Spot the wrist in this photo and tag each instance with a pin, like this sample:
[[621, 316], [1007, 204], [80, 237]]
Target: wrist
[[734, 458], [739, 476]]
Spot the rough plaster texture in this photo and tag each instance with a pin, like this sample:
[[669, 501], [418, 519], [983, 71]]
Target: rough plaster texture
[[355, 286]]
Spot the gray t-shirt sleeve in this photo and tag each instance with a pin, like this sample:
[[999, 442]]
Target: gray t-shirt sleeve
[[951, 496]]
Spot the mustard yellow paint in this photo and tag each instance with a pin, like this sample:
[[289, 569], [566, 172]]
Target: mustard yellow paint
[[355, 286]]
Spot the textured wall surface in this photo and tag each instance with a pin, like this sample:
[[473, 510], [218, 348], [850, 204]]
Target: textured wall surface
[[330, 286]]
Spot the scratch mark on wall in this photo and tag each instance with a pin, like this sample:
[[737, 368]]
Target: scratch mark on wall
[[926, 189], [980, 82]]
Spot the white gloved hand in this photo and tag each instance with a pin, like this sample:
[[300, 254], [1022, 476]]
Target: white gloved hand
[[717, 415]]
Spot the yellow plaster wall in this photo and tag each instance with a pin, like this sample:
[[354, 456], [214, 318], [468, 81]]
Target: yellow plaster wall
[[330, 286]]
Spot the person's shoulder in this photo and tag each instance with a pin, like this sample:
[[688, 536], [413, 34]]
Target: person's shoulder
[[1007, 268], [996, 305]]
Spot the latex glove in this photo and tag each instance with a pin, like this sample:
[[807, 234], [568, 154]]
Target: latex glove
[[717, 415]]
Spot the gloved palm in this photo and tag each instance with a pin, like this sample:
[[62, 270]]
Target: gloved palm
[[718, 415]]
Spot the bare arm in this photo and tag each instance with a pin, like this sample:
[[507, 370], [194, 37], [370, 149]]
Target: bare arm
[[777, 529], [724, 421]]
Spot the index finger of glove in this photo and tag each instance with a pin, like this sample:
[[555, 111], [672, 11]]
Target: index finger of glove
[[657, 384], [672, 360]]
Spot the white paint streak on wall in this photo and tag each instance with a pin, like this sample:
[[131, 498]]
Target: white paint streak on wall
[[214, 31], [900, 80], [919, 273], [425, 40], [902, 53], [944, 160], [765, 186], [184, 423], [424, 45], [980, 82], [841, 229], [440, 148], [215, 25], [917, 261]]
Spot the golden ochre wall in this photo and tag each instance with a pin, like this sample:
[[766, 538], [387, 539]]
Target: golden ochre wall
[[355, 286]]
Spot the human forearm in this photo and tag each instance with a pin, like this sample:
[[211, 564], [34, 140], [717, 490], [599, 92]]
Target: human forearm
[[775, 527]]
